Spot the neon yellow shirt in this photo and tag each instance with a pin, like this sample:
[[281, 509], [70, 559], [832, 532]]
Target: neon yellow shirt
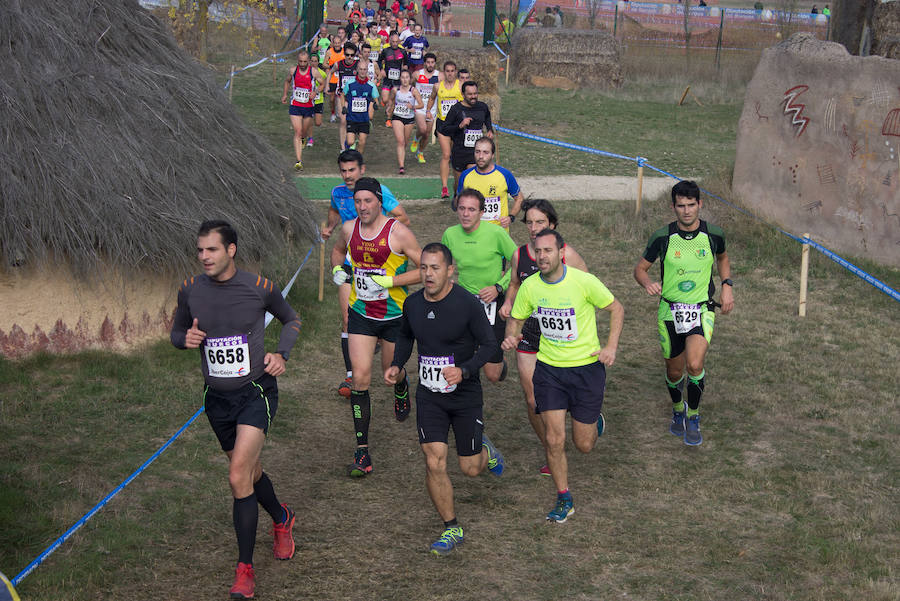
[[566, 313]]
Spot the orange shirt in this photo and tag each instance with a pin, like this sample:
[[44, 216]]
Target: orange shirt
[[335, 57]]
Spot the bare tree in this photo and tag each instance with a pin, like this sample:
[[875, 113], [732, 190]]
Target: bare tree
[[687, 31], [784, 18]]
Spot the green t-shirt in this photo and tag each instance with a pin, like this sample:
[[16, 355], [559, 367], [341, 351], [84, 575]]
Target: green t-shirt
[[479, 255], [566, 313], [686, 260]]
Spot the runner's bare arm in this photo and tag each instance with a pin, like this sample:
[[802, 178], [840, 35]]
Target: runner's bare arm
[[723, 266], [573, 259], [607, 354], [513, 288], [418, 97], [399, 213], [334, 218], [513, 334], [409, 246], [517, 204], [339, 250], [642, 277]]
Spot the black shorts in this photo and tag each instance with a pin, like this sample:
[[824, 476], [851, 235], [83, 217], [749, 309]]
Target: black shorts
[[531, 337], [387, 84], [576, 389], [439, 127], [384, 329], [358, 127], [319, 108], [403, 120], [461, 160], [302, 111], [253, 404], [462, 409], [332, 88]]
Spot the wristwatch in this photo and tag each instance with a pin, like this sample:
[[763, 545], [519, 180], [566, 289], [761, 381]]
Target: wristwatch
[[727, 281], [499, 288], [512, 218]]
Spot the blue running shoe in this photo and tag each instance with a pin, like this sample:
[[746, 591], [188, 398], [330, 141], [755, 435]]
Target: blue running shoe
[[362, 463], [448, 541], [561, 512], [692, 434], [677, 425], [495, 457], [601, 425]]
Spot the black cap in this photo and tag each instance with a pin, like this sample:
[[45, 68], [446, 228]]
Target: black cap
[[371, 184]]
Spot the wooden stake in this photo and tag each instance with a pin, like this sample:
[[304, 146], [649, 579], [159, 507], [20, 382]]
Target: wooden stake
[[640, 190], [683, 96], [322, 266], [804, 273], [231, 84], [508, 61]]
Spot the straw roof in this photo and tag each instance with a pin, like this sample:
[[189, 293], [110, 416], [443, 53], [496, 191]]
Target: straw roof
[[116, 144]]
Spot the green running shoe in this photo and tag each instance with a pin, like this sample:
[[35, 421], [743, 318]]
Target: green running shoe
[[495, 457], [448, 541]]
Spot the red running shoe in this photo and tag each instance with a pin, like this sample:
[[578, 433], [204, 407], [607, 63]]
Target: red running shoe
[[244, 582], [284, 540], [445, 193], [344, 388]]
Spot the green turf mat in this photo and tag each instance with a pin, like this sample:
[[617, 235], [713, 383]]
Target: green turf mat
[[404, 188]]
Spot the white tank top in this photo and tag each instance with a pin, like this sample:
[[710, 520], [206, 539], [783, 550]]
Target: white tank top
[[404, 103]]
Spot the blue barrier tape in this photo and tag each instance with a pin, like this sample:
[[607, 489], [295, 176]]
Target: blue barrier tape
[[77, 525], [500, 50], [642, 162], [267, 58], [40, 558]]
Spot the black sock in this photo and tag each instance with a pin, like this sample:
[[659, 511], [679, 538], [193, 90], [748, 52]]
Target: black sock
[[345, 349], [246, 516], [265, 495], [362, 413], [695, 390], [401, 387], [451, 523]]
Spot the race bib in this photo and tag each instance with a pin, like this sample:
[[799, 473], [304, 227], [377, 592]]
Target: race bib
[[472, 136], [373, 56], [359, 105], [490, 309], [431, 373], [446, 104], [393, 73], [366, 288], [227, 357], [558, 324], [346, 79], [301, 95], [424, 91], [491, 209], [686, 317], [416, 53], [404, 111]]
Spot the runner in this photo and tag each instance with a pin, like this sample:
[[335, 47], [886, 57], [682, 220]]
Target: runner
[[375, 44], [321, 43], [454, 340], [319, 102], [466, 123], [352, 167], [426, 80], [380, 249], [539, 215], [449, 92], [360, 96], [334, 54], [372, 66], [570, 373], [497, 184], [391, 62], [223, 312], [482, 251], [301, 84], [404, 101], [463, 75], [686, 316], [416, 44]]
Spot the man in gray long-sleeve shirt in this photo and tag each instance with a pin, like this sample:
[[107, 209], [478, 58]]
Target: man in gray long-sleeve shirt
[[222, 312]]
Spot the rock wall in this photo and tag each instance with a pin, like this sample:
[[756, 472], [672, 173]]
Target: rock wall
[[818, 147]]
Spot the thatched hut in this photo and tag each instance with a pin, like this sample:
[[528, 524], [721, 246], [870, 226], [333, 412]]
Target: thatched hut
[[589, 58], [116, 144]]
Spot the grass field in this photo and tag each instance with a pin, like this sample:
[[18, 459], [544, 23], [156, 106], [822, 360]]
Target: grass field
[[793, 494]]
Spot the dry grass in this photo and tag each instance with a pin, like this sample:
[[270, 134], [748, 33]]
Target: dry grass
[[791, 496]]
